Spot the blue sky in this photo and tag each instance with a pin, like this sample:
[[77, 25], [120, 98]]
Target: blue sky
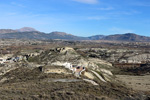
[[78, 17]]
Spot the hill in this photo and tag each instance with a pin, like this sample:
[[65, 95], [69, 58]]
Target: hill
[[26, 29], [96, 37], [63, 35], [24, 35], [127, 37], [3, 31]]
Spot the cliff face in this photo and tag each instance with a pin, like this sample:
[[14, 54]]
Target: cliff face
[[138, 58], [117, 55]]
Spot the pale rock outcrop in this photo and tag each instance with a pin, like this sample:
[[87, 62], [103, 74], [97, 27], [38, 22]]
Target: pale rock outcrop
[[55, 70], [137, 58], [98, 76], [106, 71], [89, 75], [6, 68], [90, 81]]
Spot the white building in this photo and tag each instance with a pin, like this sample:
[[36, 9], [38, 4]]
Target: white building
[[2, 60]]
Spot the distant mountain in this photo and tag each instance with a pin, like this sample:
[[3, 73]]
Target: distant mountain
[[63, 35], [3, 31], [24, 35], [31, 33], [26, 29], [127, 37], [96, 37]]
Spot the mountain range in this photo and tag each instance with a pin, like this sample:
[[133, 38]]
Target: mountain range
[[31, 33]]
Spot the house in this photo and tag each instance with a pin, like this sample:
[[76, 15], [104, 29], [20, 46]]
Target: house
[[2, 60], [73, 68], [16, 59], [77, 70], [9, 58], [68, 65]]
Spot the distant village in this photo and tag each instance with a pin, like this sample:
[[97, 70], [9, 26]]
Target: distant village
[[11, 58]]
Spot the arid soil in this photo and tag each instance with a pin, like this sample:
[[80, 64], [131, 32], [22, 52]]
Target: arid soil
[[31, 84], [26, 82], [141, 83]]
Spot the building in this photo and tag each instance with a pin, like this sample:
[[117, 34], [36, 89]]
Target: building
[[77, 70]]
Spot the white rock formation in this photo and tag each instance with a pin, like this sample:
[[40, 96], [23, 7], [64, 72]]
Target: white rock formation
[[98, 76]]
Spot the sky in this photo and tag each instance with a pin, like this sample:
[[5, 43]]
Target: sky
[[78, 17]]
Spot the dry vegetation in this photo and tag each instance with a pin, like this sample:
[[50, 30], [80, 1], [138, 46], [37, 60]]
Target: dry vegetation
[[29, 84], [25, 83]]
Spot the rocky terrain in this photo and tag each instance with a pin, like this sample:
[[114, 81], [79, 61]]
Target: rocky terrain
[[30, 84], [117, 55], [45, 71]]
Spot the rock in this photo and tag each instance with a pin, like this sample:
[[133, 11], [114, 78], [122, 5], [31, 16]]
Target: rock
[[106, 71], [55, 70], [91, 81], [98, 76], [89, 75]]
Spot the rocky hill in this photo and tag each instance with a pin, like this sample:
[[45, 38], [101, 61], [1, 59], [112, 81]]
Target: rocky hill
[[127, 37], [63, 35], [26, 29], [3, 31], [24, 35], [59, 56], [96, 37]]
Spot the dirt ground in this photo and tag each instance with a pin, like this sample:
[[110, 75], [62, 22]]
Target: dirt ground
[[32, 84], [141, 83]]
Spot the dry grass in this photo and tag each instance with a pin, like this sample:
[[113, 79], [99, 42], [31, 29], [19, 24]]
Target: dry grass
[[28, 84]]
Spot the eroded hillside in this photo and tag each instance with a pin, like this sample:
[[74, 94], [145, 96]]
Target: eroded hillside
[[66, 73]]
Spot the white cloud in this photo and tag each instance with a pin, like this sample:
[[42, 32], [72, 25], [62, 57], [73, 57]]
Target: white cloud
[[87, 1]]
